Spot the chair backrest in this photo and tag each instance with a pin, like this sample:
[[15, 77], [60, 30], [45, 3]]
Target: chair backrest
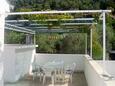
[[70, 68], [73, 67]]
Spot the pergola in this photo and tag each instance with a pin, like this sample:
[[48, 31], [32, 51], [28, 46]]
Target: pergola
[[69, 26], [33, 25], [10, 23]]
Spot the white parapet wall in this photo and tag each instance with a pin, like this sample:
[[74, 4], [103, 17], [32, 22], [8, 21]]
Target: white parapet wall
[[1, 75], [17, 61], [92, 69], [108, 66], [93, 73], [42, 59]]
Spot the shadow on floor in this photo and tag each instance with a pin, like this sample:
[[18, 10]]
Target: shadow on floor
[[78, 80]]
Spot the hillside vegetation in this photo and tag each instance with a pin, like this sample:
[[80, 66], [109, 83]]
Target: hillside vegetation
[[67, 42]]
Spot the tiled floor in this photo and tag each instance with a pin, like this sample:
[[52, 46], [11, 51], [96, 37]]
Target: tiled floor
[[78, 80]]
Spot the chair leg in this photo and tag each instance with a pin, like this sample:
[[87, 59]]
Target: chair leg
[[44, 79], [40, 77], [71, 78], [33, 76], [53, 80]]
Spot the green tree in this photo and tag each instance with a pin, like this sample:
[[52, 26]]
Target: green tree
[[97, 47], [74, 43], [12, 37], [46, 42]]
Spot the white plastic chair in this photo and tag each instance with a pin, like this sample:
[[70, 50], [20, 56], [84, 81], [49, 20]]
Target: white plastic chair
[[47, 73], [70, 70], [59, 75], [35, 70], [49, 69], [38, 71]]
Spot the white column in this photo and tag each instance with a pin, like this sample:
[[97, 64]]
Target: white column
[[91, 41], [4, 7], [86, 43], [104, 42], [2, 23], [104, 37]]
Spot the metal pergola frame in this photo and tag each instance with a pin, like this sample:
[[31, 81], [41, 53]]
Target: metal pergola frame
[[58, 12], [33, 24], [103, 12], [18, 29], [51, 20]]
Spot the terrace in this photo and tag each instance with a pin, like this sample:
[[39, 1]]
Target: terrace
[[78, 79], [18, 59]]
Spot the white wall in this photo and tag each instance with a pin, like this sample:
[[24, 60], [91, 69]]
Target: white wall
[[17, 61], [93, 73], [4, 7], [42, 59], [109, 66], [1, 74]]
